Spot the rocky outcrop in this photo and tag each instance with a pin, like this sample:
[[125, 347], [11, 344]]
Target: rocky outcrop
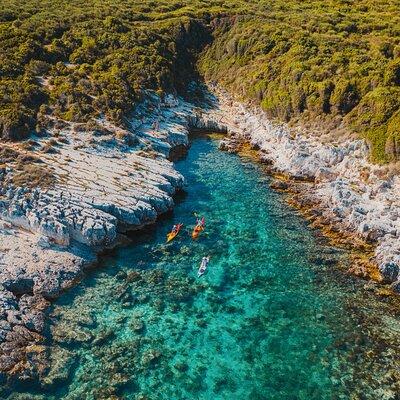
[[348, 190], [21, 326], [201, 120], [107, 181]]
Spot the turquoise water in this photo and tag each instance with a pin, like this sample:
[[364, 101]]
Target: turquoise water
[[273, 317]]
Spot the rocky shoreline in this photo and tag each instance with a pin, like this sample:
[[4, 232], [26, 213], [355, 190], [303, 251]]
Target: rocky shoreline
[[104, 183], [333, 183], [109, 180]]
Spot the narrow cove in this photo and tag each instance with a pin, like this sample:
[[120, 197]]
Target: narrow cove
[[273, 318]]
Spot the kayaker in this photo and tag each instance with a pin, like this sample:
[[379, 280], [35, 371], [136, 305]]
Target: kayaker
[[203, 265], [174, 232], [200, 222]]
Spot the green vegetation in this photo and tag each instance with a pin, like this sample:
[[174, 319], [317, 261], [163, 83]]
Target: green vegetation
[[339, 59], [29, 171], [76, 59], [299, 59]]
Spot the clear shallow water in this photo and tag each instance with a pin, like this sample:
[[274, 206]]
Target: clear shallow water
[[271, 319]]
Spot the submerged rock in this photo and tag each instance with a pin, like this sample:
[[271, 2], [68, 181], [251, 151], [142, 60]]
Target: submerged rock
[[103, 336], [181, 366], [70, 333], [137, 325], [133, 276], [61, 363], [150, 357]]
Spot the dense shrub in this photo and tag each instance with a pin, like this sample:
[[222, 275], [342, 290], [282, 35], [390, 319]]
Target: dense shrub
[[297, 58], [304, 58], [89, 58]]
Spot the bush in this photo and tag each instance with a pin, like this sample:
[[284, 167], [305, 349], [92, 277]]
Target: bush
[[392, 73], [392, 144], [15, 123]]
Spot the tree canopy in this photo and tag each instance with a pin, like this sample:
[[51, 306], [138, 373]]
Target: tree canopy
[[299, 59]]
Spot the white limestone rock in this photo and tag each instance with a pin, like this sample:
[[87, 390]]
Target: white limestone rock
[[348, 189]]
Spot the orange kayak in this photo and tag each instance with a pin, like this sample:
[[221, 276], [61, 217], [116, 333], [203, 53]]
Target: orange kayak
[[173, 234], [196, 231]]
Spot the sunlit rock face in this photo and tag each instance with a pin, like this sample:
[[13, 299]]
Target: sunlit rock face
[[102, 184]]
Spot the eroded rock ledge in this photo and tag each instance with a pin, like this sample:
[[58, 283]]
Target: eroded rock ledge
[[104, 182]]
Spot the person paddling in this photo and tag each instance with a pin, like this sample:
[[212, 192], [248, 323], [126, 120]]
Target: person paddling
[[200, 224], [203, 266], [174, 232]]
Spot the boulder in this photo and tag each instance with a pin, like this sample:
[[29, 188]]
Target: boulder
[[396, 287], [6, 363], [61, 364], [34, 321], [389, 271], [8, 300], [325, 174], [19, 283], [14, 317]]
